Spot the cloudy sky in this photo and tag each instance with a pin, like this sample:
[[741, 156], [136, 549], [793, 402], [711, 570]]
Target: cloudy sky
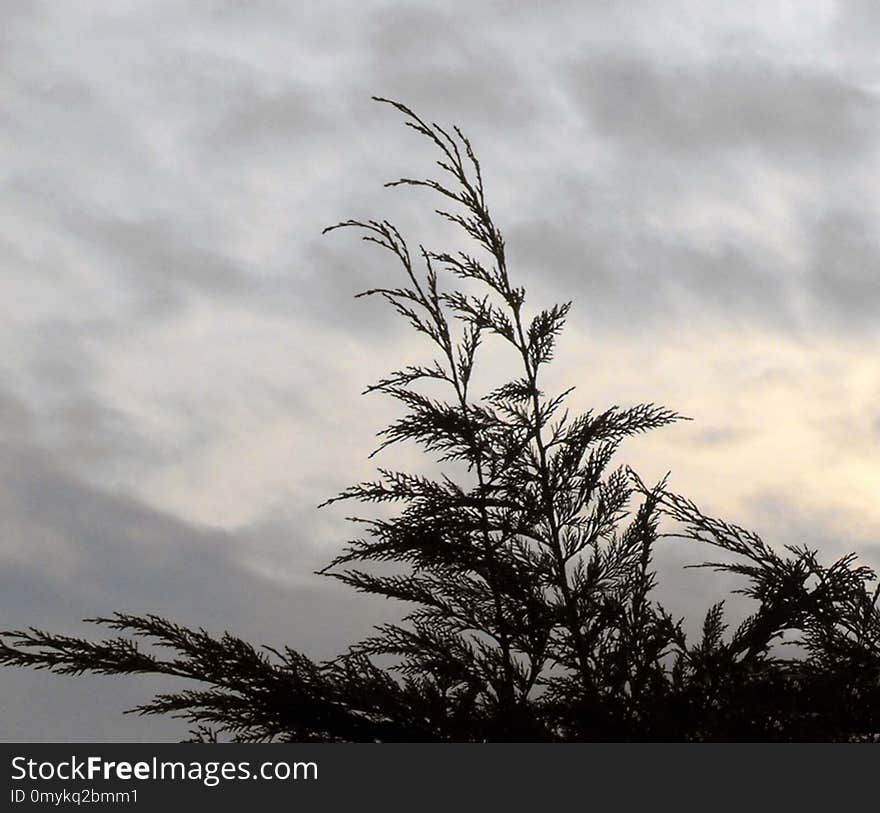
[[182, 356]]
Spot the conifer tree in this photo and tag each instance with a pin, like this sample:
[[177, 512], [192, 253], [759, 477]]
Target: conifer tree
[[528, 575]]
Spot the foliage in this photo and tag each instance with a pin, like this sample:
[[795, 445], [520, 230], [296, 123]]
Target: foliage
[[529, 578]]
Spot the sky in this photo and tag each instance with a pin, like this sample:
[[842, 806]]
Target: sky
[[182, 356]]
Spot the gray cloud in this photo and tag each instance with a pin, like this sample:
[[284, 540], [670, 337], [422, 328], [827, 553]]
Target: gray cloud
[[698, 112], [770, 155], [844, 270], [182, 353], [72, 551], [621, 269]]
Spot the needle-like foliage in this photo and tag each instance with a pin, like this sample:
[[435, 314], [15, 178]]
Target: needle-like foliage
[[528, 576]]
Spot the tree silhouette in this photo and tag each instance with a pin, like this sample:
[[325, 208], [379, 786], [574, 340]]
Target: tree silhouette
[[529, 576]]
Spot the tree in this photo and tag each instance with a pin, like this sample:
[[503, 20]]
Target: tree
[[529, 576]]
